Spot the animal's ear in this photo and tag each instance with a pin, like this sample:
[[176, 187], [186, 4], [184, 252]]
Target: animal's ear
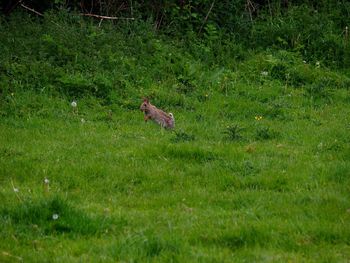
[[145, 100]]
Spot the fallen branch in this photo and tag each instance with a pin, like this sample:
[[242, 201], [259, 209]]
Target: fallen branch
[[90, 15], [109, 17], [30, 9]]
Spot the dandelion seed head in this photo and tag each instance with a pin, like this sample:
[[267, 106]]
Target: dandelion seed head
[[74, 104], [55, 216], [46, 181]]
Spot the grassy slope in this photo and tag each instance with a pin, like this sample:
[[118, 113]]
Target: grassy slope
[[125, 190]]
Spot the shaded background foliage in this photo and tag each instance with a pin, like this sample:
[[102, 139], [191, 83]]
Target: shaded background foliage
[[165, 44], [316, 29]]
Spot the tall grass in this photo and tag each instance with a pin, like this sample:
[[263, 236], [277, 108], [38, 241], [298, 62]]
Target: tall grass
[[256, 169]]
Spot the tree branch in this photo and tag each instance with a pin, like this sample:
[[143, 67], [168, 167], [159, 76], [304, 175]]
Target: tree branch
[[109, 17], [30, 9], [83, 14]]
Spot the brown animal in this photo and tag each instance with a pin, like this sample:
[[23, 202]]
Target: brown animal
[[151, 112]]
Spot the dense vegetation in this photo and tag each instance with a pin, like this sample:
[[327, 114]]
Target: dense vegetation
[[257, 168]]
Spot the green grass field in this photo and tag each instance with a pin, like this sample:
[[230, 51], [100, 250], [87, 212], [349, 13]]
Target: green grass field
[[257, 169]]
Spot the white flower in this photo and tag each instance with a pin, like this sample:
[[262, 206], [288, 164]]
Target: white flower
[[317, 64], [46, 181], [82, 120], [16, 190], [264, 73], [304, 61], [55, 216], [74, 104]]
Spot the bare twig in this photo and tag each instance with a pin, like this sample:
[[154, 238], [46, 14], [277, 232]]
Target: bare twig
[[131, 9], [83, 14], [30, 9], [100, 7], [269, 4], [109, 17], [10, 6], [251, 9], [92, 5], [206, 17]]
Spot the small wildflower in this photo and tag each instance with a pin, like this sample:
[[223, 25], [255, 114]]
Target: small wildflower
[[12, 94], [317, 64], [264, 73], [16, 190], [304, 61], [258, 118], [74, 104], [82, 120], [55, 216], [206, 95], [46, 181]]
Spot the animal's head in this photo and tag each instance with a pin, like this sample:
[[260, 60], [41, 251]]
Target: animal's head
[[145, 104]]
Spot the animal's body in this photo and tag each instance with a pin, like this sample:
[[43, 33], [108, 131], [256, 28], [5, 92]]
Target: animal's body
[[165, 120]]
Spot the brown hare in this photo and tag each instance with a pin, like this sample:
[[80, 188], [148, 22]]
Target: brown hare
[[165, 120]]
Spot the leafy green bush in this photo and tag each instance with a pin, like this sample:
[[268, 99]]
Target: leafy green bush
[[70, 55], [314, 34]]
